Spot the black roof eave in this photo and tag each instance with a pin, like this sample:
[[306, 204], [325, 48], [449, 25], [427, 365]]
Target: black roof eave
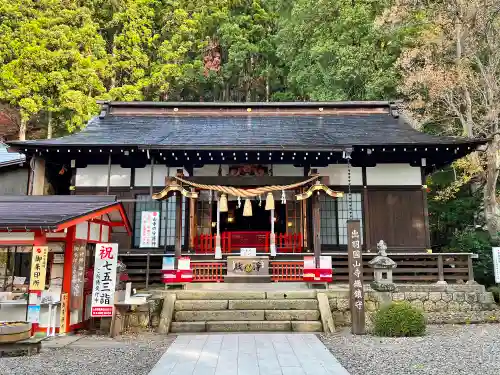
[[9, 163], [21, 146], [52, 225]]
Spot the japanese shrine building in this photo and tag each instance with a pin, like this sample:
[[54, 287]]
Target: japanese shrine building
[[365, 148]]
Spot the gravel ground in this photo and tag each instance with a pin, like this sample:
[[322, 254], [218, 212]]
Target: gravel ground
[[445, 350], [92, 355]]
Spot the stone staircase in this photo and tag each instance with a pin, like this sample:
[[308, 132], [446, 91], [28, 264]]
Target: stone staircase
[[240, 311]]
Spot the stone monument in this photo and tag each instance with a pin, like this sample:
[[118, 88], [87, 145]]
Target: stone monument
[[382, 270]]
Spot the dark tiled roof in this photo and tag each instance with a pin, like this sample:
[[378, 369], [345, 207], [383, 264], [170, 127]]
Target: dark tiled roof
[[48, 211], [252, 132], [9, 158]]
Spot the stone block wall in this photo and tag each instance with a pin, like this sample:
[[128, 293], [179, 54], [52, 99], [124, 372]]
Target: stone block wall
[[441, 304]]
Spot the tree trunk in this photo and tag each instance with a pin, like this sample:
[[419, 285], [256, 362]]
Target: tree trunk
[[49, 126], [22, 130], [489, 199]]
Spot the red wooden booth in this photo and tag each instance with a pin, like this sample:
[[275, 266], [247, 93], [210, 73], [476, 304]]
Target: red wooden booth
[[65, 229]]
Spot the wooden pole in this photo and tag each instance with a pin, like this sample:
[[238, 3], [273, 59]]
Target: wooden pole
[[108, 184], [218, 248], [272, 239], [356, 292], [178, 222], [316, 221], [192, 221]]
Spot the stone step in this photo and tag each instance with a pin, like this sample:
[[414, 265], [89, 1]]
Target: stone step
[[219, 294], [300, 315], [273, 304], [186, 327], [197, 305], [205, 315], [246, 326], [307, 326], [293, 294]]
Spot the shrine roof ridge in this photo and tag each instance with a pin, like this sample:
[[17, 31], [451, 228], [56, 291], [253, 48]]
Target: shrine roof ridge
[[267, 126]]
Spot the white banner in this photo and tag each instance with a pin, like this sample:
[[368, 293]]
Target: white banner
[[103, 291], [496, 263], [150, 228]]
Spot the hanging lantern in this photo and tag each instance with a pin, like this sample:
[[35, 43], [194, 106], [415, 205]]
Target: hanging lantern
[[283, 197], [223, 203], [269, 201], [239, 202], [247, 209]]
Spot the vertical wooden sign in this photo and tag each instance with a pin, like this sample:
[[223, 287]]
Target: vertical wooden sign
[[63, 328], [356, 277]]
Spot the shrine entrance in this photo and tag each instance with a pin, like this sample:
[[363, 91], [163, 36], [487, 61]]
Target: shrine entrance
[[234, 221]]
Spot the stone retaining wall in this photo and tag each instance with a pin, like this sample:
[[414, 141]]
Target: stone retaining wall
[[441, 303]]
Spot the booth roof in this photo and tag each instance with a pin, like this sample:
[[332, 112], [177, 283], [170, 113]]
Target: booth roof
[[52, 211], [248, 126]]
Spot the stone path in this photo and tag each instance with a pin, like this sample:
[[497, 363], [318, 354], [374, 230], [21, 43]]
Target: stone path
[[248, 354]]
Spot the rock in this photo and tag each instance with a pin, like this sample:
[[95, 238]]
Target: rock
[[398, 296], [430, 306], [333, 303], [453, 306], [383, 287], [342, 304], [441, 306], [471, 297], [446, 297], [459, 296], [417, 304], [370, 306], [326, 313], [464, 306], [435, 296], [167, 313]]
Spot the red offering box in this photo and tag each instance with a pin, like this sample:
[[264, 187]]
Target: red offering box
[[318, 275]]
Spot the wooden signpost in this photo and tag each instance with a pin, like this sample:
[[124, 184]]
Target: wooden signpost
[[356, 277]]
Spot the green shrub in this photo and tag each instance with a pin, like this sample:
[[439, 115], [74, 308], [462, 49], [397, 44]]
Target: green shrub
[[495, 290], [399, 319]]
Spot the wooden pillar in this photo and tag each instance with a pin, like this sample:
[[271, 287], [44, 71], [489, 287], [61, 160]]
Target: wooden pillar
[[316, 228], [67, 272], [108, 184], [272, 237], [366, 214], [38, 177], [218, 247], [192, 221], [426, 207], [178, 222]]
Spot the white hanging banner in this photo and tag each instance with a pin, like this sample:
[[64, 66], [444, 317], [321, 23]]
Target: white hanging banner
[[496, 263], [103, 291], [150, 224]]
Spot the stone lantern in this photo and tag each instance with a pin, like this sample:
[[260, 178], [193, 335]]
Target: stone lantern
[[382, 270]]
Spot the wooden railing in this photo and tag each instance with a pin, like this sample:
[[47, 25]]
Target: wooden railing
[[232, 242], [287, 271], [144, 269], [208, 271]]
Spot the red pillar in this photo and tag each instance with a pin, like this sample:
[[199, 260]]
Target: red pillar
[[40, 240], [67, 273]]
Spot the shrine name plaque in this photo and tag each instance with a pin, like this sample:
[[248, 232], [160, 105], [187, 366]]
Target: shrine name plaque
[[247, 269]]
